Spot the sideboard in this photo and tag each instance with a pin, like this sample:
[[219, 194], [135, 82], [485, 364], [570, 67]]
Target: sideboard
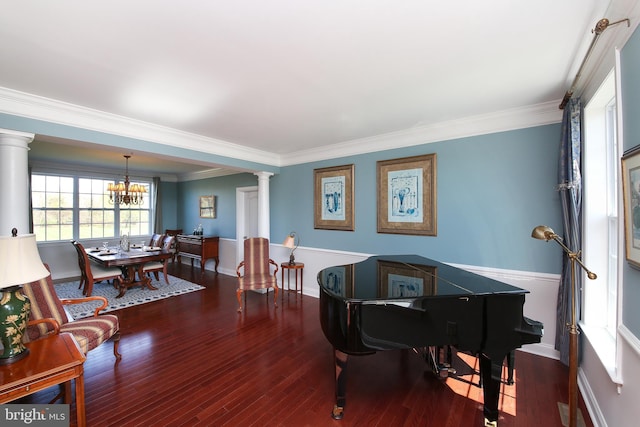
[[198, 247]]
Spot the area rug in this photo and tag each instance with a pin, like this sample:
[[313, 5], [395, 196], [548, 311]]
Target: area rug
[[134, 296]]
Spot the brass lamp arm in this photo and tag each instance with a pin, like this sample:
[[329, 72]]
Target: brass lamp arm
[[575, 256]]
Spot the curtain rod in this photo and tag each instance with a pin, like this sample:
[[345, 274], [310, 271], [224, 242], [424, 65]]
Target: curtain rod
[[601, 25]]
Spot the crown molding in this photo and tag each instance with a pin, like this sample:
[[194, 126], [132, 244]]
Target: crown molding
[[500, 121], [209, 173], [40, 108]]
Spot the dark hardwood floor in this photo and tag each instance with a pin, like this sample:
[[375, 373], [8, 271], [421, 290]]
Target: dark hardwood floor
[[192, 360]]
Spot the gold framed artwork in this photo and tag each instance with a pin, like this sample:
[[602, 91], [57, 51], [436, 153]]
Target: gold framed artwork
[[333, 198], [407, 195], [631, 195], [207, 206]]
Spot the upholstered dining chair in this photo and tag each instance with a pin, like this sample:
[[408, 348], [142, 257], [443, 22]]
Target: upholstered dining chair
[[157, 266], [156, 239], [256, 269], [48, 316], [91, 273], [173, 232]]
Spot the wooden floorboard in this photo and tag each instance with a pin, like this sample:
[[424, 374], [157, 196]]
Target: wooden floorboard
[[192, 360]]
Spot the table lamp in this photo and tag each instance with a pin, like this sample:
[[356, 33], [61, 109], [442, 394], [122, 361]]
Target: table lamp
[[20, 264], [290, 242]]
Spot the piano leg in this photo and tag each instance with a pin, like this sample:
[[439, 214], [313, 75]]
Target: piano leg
[[490, 388], [340, 362]]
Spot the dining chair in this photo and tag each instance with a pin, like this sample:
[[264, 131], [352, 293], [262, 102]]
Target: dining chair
[[174, 249], [156, 240], [157, 266], [91, 273], [48, 316], [256, 267]]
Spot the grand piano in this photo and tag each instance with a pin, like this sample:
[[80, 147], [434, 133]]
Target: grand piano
[[410, 302]]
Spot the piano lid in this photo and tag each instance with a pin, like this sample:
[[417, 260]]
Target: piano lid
[[406, 277]]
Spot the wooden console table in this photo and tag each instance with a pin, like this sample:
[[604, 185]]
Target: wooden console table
[[52, 360], [197, 247]]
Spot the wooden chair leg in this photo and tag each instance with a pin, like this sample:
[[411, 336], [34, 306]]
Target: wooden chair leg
[[88, 288], [239, 296], [275, 296], [116, 343]]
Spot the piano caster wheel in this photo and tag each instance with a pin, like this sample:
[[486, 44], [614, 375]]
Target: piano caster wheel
[[337, 413], [488, 423]]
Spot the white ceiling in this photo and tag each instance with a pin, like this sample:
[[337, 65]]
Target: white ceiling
[[289, 76]]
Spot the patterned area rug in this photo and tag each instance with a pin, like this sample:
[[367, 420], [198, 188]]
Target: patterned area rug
[[134, 296]]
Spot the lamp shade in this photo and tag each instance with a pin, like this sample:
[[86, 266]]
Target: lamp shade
[[289, 242], [20, 261], [543, 232]]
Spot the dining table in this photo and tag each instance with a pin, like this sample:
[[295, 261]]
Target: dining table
[[130, 261]]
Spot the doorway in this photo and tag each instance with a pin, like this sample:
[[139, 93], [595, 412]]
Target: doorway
[[246, 217]]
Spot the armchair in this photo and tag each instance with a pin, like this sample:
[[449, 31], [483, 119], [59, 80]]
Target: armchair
[[256, 267], [48, 316]]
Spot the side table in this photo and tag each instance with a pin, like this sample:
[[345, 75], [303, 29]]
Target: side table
[[52, 360], [296, 267]]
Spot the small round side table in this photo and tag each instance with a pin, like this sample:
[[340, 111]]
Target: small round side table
[[296, 267]]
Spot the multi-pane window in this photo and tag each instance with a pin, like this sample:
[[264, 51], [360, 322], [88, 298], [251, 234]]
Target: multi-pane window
[[73, 207], [96, 219], [52, 200], [135, 220], [601, 228]]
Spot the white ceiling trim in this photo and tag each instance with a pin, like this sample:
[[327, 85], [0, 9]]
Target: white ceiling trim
[[500, 121], [40, 108], [209, 173]]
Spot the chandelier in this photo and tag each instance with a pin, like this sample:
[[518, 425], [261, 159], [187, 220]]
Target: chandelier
[[123, 193]]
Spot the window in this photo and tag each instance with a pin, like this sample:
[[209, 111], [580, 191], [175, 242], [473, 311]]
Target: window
[[601, 243], [52, 199], [67, 207]]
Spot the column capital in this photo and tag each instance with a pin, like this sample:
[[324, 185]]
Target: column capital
[[263, 175], [15, 138]]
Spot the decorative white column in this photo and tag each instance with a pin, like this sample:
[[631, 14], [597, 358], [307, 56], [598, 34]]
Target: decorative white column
[[264, 223], [14, 181]]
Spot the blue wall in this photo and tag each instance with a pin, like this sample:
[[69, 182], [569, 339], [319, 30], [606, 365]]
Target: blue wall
[[630, 67], [224, 188], [492, 190]]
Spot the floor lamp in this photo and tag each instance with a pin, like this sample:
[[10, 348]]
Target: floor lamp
[[545, 233]]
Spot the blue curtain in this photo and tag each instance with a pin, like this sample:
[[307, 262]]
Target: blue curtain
[[570, 189]]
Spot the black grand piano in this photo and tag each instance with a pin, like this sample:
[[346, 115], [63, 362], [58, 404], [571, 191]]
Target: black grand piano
[[407, 301]]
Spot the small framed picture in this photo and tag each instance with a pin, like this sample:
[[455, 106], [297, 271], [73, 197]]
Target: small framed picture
[[333, 198], [207, 206]]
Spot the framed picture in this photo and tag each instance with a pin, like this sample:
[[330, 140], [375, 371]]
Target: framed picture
[[407, 195], [398, 280], [631, 194], [333, 198], [207, 206]]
